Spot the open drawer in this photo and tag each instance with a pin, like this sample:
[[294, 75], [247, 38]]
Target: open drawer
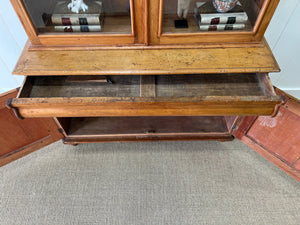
[[160, 95]]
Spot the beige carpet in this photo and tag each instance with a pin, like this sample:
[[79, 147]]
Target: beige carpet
[[172, 183]]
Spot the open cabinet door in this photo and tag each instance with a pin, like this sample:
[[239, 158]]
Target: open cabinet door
[[21, 137], [276, 138]]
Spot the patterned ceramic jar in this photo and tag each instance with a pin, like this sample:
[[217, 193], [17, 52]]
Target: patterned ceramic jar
[[224, 5]]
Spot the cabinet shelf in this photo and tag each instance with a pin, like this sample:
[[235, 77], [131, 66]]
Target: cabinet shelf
[[111, 25], [168, 27], [103, 129]]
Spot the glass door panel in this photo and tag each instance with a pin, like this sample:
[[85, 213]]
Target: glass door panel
[[192, 16], [80, 16]]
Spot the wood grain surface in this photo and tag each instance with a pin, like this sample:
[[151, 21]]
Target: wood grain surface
[[147, 61], [21, 137]]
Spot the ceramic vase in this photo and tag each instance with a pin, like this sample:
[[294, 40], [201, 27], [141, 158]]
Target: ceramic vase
[[224, 5]]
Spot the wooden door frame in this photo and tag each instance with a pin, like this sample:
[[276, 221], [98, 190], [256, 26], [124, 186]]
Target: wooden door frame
[[139, 35], [219, 38]]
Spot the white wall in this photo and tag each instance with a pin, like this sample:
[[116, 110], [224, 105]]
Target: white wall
[[12, 40], [283, 36]]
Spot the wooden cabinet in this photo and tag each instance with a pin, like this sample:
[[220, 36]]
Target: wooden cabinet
[[140, 78]]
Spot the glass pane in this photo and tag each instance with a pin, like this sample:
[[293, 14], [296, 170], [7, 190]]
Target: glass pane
[[77, 16], [190, 16]]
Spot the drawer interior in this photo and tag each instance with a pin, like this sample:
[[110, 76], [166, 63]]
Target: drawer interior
[[147, 95], [149, 86]]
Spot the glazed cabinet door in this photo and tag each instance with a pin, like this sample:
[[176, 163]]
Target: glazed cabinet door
[[83, 22], [209, 21]]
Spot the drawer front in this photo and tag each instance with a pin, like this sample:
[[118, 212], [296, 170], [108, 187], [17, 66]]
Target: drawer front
[[174, 95]]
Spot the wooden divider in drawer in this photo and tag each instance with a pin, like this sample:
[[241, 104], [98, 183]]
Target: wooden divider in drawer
[[160, 95]]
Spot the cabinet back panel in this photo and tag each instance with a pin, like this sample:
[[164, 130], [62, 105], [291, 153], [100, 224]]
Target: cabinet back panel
[[146, 125]]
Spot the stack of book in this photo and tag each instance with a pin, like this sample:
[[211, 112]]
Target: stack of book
[[208, 19], [64, 20]]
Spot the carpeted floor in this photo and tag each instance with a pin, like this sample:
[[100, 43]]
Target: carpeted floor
[[155, 183]]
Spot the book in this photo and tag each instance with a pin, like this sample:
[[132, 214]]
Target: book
[[219, 27], [78, 28], [62, 15], [205, 13]]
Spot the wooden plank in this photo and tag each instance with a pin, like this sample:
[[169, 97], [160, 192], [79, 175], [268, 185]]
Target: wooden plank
[[149, 137], [86, 39], [140, 21], [147, 61], [84, 79], [148, 87], [137, 106]]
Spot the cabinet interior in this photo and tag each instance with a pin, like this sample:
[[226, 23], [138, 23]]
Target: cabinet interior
[[84, 129], [252, 8], [114, 16]]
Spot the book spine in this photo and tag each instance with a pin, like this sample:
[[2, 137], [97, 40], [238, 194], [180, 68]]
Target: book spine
[[219, 18], [75, 20], [79, 28], [223, 27]]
